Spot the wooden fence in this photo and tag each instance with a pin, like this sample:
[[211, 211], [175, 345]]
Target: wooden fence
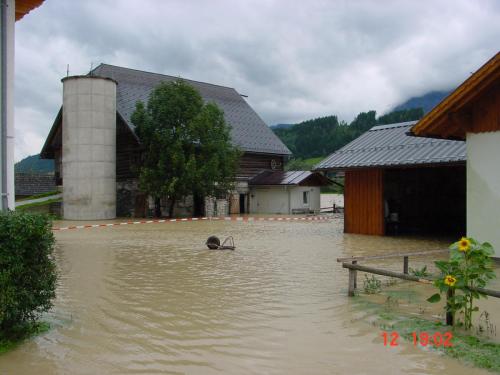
[[352, 265]]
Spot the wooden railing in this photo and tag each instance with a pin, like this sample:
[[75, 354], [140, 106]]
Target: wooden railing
[[352, 265]]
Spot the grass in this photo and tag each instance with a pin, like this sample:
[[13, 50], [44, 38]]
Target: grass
[[37, 204], [21, 333], [42, 195], [477, 351]]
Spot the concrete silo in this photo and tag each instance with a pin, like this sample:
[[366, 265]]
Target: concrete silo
[[89, 148]]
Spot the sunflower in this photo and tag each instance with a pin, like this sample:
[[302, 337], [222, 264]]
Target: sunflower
[[450, 280], [464, 244]]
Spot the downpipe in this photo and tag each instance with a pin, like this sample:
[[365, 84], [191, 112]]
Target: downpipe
[[3, 80]]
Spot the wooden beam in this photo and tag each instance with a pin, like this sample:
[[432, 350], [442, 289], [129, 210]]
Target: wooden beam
[[393, 255]]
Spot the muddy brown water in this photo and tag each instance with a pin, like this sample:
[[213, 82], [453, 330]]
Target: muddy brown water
[[151, 299]]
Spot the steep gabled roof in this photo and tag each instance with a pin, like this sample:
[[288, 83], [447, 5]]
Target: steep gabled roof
[[248, 131], [392, 146]]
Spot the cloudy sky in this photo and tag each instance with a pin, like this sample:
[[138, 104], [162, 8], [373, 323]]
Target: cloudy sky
[[294, 59]]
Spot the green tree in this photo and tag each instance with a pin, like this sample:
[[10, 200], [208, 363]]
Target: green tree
[[186, 145]]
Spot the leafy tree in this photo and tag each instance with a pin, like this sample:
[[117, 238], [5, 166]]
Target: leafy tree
[[186, 145]]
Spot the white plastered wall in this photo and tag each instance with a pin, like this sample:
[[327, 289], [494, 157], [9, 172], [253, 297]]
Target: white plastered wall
[[269, 200], [283, 199], [483, 188], [297, 200]]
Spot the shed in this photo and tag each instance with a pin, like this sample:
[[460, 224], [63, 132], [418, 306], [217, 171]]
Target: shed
[[286, 192], [396, 183], [472, 113]]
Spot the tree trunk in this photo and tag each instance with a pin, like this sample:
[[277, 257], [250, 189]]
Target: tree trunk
[[171, 208], [157, 207]]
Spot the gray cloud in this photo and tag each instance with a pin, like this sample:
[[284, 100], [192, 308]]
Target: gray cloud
[[295, 60]]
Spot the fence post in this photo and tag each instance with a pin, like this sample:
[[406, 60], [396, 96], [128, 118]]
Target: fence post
[[405, 265], [449, 314], [355, 275], [352, 283]]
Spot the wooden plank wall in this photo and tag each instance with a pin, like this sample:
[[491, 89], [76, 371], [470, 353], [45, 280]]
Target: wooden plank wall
[[252, 164], [127, 152], [363, 202]]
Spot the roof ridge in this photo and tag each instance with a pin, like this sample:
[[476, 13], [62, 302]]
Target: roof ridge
[[164, 75], [393, 125]]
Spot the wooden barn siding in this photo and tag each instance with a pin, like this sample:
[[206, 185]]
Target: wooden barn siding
[[486, 112], [364, 208], [252, 164], [127, 152]]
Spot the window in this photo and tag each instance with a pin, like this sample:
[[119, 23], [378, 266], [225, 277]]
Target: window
[[305, 197]]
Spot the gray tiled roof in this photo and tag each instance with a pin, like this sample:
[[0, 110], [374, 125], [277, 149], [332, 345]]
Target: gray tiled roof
[[287, 178], [390, 146], [248, 131]]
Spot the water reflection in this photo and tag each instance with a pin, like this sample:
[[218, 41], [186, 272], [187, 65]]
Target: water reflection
[[151, 299]]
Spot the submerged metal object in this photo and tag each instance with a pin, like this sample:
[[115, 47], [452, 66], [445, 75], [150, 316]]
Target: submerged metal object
[[213, 243]]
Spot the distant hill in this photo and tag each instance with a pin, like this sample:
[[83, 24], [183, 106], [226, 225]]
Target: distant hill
[[33, 164], [321, 136], [426, 102], [281, 126]]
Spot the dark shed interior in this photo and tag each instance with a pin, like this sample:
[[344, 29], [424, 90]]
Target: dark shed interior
[[425, 200]]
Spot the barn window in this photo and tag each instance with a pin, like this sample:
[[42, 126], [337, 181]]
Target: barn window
[[305, 197]]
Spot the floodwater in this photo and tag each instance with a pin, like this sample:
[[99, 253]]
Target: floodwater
[[151, 299]]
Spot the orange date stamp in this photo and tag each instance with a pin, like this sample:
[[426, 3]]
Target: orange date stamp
[[435, 339]]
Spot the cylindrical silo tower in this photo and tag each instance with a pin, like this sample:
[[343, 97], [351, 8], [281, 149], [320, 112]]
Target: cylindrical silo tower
[[89, 148]]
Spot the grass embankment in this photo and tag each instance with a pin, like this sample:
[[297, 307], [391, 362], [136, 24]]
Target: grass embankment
[[37, 204], [477, 351], [42, 195], [17, 335]]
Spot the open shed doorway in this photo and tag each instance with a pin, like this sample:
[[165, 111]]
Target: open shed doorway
[[425, 201], [243, 203]]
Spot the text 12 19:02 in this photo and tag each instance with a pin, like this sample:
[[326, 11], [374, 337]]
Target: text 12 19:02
[[422, 338]]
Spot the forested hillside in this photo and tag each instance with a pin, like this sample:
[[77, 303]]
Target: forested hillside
[[321, 136], [33, 164]]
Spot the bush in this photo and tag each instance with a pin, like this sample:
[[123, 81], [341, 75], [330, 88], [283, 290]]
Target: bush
[[27, 269]]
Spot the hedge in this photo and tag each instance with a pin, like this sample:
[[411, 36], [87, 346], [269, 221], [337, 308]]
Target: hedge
[[28, 274]]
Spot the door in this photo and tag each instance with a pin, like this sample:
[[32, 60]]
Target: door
[[243, 198]]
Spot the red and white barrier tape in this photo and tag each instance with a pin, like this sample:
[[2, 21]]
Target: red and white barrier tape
[[227, 218]]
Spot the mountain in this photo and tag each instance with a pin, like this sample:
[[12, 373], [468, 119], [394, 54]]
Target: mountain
[[426, 102], [33, 164]]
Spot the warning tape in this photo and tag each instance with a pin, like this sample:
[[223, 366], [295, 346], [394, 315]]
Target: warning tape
[[227, 218]]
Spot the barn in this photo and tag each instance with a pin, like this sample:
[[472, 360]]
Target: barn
[[96, 150], [396, 183], [472, 113]]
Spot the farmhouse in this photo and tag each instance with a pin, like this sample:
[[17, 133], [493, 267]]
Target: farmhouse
[[399, 184], [95, 146], [472, 113]]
